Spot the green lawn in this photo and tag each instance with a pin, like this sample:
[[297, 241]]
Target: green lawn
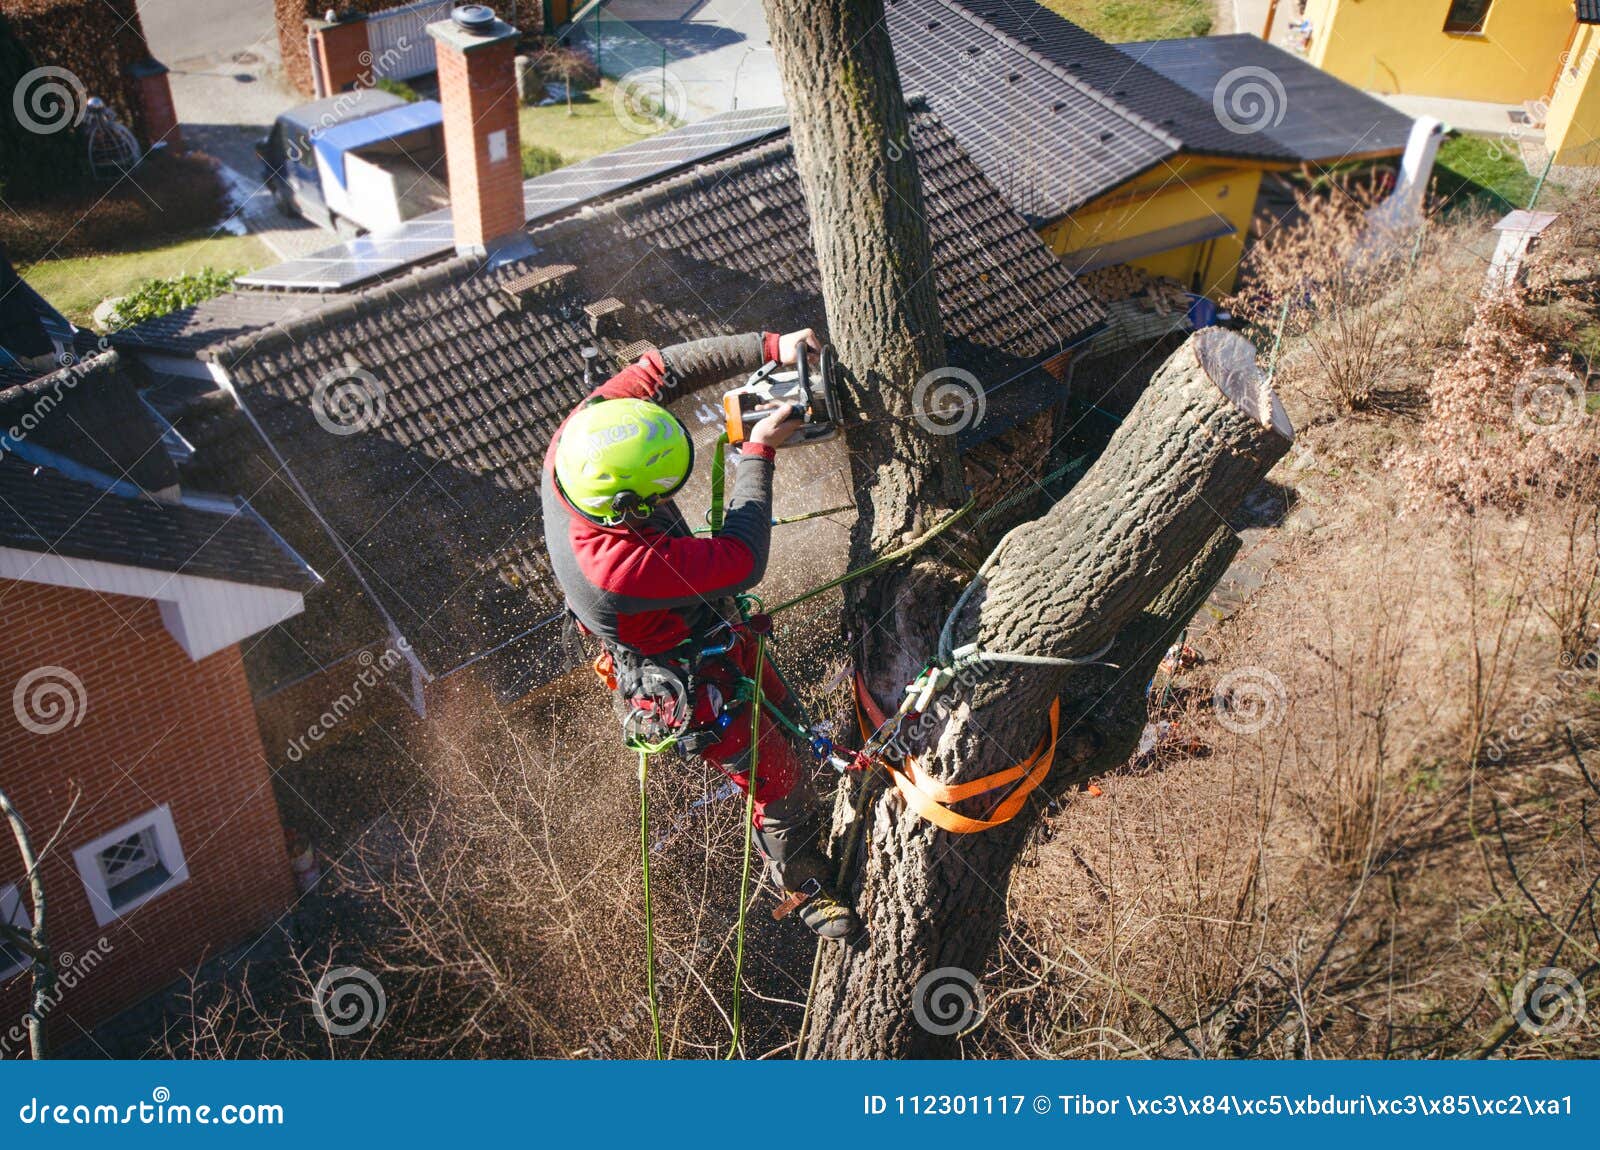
[[1123, 20], [76, 286], [592, 128], [1491, 165]]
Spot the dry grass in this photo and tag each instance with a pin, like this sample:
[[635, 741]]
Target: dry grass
[[1387, 828]]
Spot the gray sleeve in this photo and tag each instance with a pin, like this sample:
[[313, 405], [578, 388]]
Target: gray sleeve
[[701, 362], [749, 515]]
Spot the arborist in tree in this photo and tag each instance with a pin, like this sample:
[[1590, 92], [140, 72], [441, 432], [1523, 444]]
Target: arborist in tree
[[661, 599]]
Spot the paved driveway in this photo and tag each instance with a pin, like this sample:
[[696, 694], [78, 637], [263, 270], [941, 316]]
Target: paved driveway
[[722, 57], [228, 88]]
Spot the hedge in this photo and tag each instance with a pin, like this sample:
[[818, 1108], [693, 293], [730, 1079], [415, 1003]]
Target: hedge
[[98, 41]]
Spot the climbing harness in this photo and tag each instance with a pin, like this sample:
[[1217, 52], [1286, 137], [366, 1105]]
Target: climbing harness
[[813, 735], [926, 796]]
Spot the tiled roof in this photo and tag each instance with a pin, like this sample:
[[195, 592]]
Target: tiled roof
[[1589, 11], [76, 483], [90, 413], [1314, 116], [41, 510], [436, 496], [1056, 116], [200, 326]]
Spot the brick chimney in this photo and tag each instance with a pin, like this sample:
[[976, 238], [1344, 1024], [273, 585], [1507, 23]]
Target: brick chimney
[[478, 87]]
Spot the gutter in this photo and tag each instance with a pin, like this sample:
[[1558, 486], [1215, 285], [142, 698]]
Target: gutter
[[420, 675]]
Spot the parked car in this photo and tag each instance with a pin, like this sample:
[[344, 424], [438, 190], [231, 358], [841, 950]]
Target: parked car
[[361, 161]]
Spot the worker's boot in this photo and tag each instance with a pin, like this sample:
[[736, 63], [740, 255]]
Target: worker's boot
[[789, 837]]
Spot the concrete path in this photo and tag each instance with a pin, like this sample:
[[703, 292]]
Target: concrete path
[[228, 88], [723, 59]]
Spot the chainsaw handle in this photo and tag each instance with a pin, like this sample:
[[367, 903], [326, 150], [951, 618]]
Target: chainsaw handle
[[801, 366]]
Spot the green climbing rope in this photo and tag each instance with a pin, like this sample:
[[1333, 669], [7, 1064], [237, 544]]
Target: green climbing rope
[[749, 833], [649, 925], [758, 703]]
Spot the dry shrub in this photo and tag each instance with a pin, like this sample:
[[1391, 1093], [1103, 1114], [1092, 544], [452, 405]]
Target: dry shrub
[[1322, 278], [500, 908], [1506, 417], [1315, 887], [165, 196]]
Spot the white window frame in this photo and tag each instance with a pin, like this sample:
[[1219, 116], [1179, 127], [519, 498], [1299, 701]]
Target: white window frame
[[168, 849], [15, 913]]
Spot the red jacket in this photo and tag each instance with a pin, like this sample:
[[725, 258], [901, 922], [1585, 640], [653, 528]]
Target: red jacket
[[649, 586]]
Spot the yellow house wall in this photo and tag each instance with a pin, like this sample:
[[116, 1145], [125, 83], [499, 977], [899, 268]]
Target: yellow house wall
[[1400, 46], [1572, 125], [1170, 196]]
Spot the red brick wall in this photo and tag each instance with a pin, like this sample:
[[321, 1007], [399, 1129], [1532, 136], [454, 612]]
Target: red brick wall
[[156, 729], [479, 94], [343, 56]]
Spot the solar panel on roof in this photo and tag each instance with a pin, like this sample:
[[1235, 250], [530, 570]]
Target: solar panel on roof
[[369, 257]]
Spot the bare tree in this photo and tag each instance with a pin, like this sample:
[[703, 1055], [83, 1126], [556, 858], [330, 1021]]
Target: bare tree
[[35, 942], [1115, 567]]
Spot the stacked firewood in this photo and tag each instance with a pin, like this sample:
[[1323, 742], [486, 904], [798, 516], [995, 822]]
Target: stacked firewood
[[1152, 293]]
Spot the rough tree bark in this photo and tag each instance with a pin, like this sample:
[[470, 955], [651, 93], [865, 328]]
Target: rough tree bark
[[1125, 559]]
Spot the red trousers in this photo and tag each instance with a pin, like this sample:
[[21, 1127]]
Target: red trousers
[[777, 771]]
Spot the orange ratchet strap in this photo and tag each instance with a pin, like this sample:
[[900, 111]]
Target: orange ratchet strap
[[926, 795]]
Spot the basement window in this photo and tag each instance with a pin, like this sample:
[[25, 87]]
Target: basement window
[[1467, 17], [131, 865], [14, 914]]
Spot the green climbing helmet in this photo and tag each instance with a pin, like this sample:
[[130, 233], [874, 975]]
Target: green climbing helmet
[[617, 457]]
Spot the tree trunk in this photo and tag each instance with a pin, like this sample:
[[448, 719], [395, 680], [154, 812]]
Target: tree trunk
[[851, 136], [1124, 560]]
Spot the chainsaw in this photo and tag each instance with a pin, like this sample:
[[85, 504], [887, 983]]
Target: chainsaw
[[810, 390]]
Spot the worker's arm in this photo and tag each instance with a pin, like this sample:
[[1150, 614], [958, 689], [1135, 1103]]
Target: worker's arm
[[686, 367], [683, 367]]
